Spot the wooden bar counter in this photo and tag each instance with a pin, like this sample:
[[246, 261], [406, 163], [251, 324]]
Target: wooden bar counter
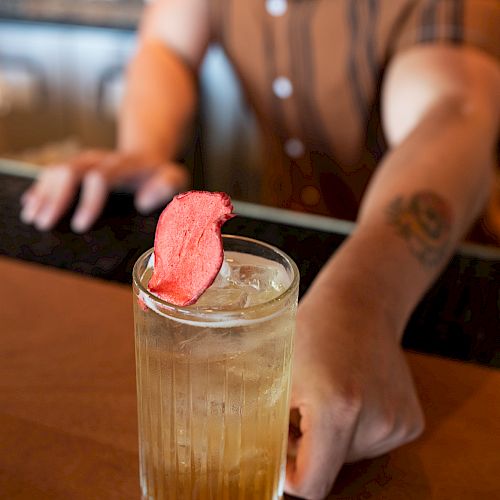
[[68, 404]]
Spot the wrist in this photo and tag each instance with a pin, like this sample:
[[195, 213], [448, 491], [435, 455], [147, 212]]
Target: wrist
[[365, 275], [344, 310]]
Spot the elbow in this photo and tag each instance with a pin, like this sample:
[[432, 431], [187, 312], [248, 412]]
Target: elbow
[[459, 110]]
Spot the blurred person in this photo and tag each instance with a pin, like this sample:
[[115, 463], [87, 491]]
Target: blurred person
[[386, 111]]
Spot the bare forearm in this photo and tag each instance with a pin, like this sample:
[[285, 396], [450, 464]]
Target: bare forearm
[[426, 194], [161, 87], [159, 103], [451, 153]]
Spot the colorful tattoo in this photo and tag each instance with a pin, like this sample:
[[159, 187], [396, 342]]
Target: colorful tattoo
[[424, 221]]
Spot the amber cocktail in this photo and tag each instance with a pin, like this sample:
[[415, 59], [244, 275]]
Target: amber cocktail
[[213, 379]]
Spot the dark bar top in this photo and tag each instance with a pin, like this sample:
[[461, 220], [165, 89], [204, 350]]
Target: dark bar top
[[458, 318], [121, 14]]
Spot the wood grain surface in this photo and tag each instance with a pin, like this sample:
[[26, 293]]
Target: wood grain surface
[[68, 405]]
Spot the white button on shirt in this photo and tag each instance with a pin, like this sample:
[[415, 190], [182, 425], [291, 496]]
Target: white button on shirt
[[282, 87], [276, 8], [294, 148]]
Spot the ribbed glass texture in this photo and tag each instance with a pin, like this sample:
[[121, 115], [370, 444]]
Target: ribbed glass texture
[[213, 400]]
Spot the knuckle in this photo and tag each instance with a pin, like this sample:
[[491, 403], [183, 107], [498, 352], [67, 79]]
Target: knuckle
[[68, 171], [97, 176], [61, 176], [385, 426], [57, 170], [342, 409], [87, 159], [51, 170]]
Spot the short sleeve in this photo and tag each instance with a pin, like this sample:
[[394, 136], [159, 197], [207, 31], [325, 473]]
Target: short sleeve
[[459, 22]]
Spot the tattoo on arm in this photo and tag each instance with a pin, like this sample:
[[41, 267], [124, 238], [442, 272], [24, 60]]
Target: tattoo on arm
[[424, 221]]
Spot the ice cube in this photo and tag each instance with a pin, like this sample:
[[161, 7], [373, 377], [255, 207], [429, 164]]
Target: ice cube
[[225, 270], [261, 278], [222, 299], [244, 281], [223, 278]]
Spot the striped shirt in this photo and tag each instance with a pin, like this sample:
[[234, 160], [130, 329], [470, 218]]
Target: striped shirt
[[312, 70]]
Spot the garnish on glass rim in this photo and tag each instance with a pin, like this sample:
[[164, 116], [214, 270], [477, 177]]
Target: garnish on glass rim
[[188, 250]]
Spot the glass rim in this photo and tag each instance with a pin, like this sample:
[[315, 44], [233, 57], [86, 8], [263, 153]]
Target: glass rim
[[217, 315]]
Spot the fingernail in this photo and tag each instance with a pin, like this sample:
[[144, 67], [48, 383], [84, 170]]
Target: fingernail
[[44, 220], [80, 223], [147, 203], [27, 213]]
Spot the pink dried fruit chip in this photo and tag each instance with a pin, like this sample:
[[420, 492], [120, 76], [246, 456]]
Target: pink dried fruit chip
[[188, 246]]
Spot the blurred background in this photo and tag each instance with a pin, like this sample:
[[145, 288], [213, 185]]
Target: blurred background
[[62, 65]]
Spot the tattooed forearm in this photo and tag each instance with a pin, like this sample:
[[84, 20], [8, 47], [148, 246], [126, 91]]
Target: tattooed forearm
[[424, 221]]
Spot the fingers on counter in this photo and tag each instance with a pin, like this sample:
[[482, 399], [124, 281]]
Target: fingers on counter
[[160, 187], [47, 200]]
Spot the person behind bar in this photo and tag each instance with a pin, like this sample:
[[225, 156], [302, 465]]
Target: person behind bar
[[386, 111]]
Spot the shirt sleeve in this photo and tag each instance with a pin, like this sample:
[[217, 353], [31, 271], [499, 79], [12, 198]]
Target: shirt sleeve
[[458, 22]]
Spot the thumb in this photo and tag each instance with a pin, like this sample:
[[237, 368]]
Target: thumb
[[158, 189], [318, 454]]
